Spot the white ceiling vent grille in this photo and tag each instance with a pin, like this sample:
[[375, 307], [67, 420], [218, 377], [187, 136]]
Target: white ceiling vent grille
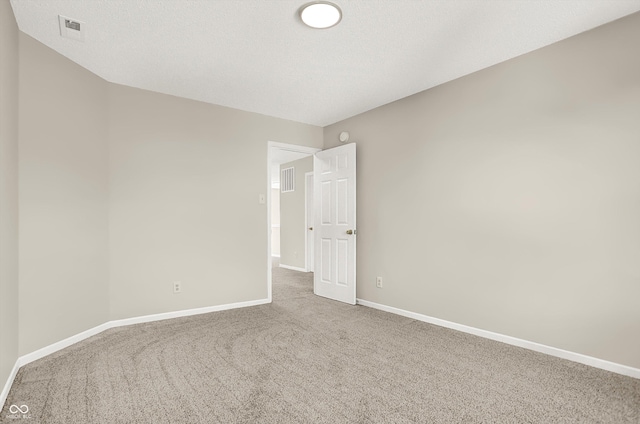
[[287, 180], [71, 28]]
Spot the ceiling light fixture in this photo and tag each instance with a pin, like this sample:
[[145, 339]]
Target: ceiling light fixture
[[320, 14]]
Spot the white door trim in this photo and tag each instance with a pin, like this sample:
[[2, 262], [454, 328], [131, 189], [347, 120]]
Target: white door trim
[[293, 148]]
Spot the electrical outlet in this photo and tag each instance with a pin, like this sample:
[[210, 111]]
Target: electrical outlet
[[177, 287], [379, 282]]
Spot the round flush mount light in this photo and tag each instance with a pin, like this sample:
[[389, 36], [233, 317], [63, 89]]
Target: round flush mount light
[[320, 14]]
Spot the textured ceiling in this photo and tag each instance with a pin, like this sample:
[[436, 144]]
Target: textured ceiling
[[257, 56]]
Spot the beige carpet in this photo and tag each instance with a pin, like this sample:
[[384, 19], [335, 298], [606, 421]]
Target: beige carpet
[[304, 359]]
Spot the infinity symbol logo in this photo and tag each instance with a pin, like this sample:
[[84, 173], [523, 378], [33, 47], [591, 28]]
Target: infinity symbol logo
[[14, 409]]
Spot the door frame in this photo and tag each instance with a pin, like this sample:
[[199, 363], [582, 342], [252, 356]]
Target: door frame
[[309, 252], [293, 148]]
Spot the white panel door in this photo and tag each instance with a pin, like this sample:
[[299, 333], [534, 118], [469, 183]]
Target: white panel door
[[334, 177]]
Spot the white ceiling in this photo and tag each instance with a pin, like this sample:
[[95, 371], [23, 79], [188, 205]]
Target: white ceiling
[[257, 56]]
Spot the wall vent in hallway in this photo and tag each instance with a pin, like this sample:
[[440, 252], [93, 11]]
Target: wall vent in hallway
[[287, 180]]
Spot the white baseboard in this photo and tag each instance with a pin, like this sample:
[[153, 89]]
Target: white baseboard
[[553, 351], [184, 313], [293, 268], [7, 385], [54, 347]]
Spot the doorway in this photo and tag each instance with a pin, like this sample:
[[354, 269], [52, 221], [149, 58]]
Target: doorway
[[278, 154]]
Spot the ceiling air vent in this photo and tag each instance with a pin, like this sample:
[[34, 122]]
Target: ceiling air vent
[[71, 28], [72, 24]]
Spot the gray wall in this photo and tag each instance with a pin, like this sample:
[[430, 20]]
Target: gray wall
[[124, 191], [63, 197], [121, 192], [185, 178], [509, 199], [8, 191], [292, 216]]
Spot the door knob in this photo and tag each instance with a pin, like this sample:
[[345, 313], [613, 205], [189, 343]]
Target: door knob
[[311, 228], [350, 232]]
